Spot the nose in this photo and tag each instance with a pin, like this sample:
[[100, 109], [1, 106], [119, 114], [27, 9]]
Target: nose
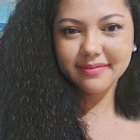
[[91, 45]]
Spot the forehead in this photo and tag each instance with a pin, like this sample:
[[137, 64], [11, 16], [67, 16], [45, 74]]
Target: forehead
[[93, 7]]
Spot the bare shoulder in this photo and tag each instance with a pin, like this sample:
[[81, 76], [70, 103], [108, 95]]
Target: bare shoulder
[[114, 129], [136, 125], [133, 130]]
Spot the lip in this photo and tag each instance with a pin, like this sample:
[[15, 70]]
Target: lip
[[93, 69]]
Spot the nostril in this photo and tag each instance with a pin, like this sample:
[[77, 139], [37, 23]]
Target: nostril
[[88, 49]]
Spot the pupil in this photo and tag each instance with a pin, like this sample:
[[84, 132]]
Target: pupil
[[70, 31], [111, 28]]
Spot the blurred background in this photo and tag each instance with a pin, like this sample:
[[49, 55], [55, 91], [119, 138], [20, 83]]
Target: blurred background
[[6, 7]]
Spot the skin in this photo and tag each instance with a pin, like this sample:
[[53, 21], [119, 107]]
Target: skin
[[90, 32], [82, 37]]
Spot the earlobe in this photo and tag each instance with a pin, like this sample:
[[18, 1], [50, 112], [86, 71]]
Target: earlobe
[[134, 47]]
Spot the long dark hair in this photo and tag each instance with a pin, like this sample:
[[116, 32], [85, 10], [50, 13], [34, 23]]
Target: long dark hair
[[127, 97], [35, 99]]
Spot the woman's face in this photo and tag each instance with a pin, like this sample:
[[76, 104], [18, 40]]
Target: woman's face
[[93, 42]]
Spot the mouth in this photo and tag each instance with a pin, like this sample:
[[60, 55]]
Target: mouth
[[93, 69]]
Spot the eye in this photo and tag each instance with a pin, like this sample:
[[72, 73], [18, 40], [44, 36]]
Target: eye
[[112, 27], [70, 31]]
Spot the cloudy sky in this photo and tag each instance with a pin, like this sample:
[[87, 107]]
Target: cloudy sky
[[6, 6], [4, 2]]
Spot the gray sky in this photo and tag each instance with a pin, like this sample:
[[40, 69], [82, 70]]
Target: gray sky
[[6, 7], [4, 2]]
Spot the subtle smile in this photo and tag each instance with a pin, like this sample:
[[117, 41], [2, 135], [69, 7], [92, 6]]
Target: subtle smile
[[92, 69]]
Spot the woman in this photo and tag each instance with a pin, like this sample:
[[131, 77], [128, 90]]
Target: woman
[[95, 50]]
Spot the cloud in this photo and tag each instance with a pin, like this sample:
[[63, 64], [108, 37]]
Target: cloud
[[5, 2]]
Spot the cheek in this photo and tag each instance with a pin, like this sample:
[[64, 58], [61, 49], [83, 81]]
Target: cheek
[[66, 53], [119, 55], [119, 48]]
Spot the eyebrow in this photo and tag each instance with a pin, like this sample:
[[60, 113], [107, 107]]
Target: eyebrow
[[70, 20], [80, 22], [110, 16]]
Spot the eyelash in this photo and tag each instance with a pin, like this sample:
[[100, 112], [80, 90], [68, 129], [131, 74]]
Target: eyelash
[[112, 27], [70, 31], [109, 28]]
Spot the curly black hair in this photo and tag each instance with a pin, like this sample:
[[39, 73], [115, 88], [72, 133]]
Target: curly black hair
[[33, 100], [36, 101]]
